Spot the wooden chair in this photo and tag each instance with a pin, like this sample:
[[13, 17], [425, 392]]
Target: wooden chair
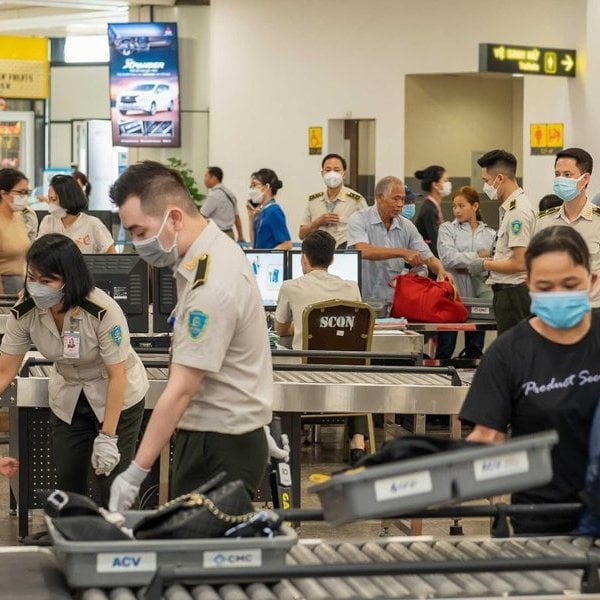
[[338, 325]]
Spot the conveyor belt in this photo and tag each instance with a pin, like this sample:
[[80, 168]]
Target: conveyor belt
[[372, 379], [153, 373], [489, 584]]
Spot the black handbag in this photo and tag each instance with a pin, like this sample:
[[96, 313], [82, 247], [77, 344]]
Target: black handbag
[[199, 514]]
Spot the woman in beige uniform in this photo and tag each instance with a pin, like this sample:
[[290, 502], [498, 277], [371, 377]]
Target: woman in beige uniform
[[98, 384]]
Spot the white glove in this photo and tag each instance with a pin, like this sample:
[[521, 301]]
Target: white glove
[[274, 450], [476, 267], [126, 487], [106, 455]]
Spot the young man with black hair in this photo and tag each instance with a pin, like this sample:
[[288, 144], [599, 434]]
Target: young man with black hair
[[516, 226], [331, 209], [572, 171], [221, 204]]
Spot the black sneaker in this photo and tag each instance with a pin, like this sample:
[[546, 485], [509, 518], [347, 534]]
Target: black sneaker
[[355, 455]]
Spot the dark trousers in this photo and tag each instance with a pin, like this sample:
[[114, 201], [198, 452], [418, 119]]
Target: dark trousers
[[200, 455], [511, 305], [358, 425], [72, 447], [446, 343]]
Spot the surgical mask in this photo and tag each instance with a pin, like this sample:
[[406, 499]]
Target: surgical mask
[[566, 188], [44, 296], [490, 191], [408, 211], [333, 179], [57, 210], [19, 203], [152, 251], [446, 188], [256, 196], [561, 310]]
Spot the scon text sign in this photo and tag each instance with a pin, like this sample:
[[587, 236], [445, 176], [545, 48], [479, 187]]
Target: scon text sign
[[527, 60]]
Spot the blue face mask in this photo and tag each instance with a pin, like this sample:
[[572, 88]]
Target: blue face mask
[[566, 188], [561, 310], [408, 211]]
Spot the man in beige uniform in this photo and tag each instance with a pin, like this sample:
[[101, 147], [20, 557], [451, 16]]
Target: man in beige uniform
[[219, 392], [572, 170], [517, 222], [330, 210]]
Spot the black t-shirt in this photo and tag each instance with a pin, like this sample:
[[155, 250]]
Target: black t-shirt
[[530, 384]]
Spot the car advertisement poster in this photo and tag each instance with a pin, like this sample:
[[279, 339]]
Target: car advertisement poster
[[144, 84]]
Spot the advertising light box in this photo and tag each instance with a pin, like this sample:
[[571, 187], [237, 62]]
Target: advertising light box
[[144, 84]]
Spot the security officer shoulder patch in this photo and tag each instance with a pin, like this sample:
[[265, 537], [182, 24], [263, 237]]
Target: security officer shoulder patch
[[201, 272], [549, 211], [513, 204], [93, 309], [22, 308], [354, 196], [116, 335], [315, 196], [197, 322], [516, 226]]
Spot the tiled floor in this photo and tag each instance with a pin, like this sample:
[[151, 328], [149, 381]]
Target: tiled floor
[[323, 458]]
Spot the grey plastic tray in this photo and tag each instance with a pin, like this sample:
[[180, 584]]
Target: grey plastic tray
[[480, 309], [133, 563], [396, 488]]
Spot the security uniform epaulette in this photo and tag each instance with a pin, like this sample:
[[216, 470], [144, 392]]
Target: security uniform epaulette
[[22, 308], [549, 211], [201, 272], [93, 309], [354, 196], [513, 204], [596, 211], [315, 196]]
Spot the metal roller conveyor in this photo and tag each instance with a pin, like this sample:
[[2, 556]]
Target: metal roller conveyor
[[480, 571]]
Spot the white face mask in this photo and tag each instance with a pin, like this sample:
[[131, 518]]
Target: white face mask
[[57, 210], [446, 189], [44, 296], [151, 250], [19, 203], [256, 196], [333, 179], [490, 191]]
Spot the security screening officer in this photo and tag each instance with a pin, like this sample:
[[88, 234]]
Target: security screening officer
[[219, 392], [517, 223], [97, 387], [331, 209]]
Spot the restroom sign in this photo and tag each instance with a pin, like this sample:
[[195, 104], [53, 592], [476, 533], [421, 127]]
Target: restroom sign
[[315, 140], [527, 60], [546, 138]]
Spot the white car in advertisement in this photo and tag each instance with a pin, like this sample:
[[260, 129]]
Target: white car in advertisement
[[149, 97]]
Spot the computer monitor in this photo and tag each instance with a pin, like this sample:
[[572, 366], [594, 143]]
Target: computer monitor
[[346, 264], [124, 277], [164, 298], [106, 216], [269, 267]]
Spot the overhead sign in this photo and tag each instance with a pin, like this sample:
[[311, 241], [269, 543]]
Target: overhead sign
[[23, 67], [527, 60], [144, 84], [546, 138], [315, 140]]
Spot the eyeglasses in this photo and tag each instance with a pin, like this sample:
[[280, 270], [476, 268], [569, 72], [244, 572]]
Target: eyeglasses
[[21, 192]]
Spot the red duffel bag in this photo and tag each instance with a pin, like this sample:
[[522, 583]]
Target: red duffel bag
[[421, 299]]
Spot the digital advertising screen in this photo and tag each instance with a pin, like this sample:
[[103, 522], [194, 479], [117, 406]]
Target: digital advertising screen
[[144, 84]]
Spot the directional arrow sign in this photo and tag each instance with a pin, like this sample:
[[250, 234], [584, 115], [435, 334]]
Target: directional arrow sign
[[528, 60]]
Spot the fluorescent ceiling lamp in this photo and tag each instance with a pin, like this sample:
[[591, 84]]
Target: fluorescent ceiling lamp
[[86, 49]]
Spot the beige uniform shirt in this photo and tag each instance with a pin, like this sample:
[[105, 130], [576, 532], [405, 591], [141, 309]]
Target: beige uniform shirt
[[588, 225], [345, 205], [89, 233], [296, 294], [517, 224], [103, 340], [220, 328]]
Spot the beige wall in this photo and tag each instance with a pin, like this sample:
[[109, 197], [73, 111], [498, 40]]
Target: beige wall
[[449, 116]]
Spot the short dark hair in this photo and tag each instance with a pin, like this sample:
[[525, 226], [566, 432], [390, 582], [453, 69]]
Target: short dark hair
[[9, 178], [583, 159], [549, 201], [155, 185], [318, 247], [333, 155], [268, 176], [500, 161], [55, 255], [558, 238], [429, 176], [215, 172], [70, 195]]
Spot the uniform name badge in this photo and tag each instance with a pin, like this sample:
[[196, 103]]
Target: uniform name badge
[[71, 344]]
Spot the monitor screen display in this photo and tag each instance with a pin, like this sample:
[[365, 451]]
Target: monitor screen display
[[123, 277], [346, 264], [269, 267], [164, 298]]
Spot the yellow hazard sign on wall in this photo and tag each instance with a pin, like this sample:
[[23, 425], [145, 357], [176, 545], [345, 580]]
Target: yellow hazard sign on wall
[[546, 138], [23, 67], [315, 140]]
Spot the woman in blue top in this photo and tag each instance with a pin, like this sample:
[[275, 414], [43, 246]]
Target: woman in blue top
[[460, 242], [268, 229]]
